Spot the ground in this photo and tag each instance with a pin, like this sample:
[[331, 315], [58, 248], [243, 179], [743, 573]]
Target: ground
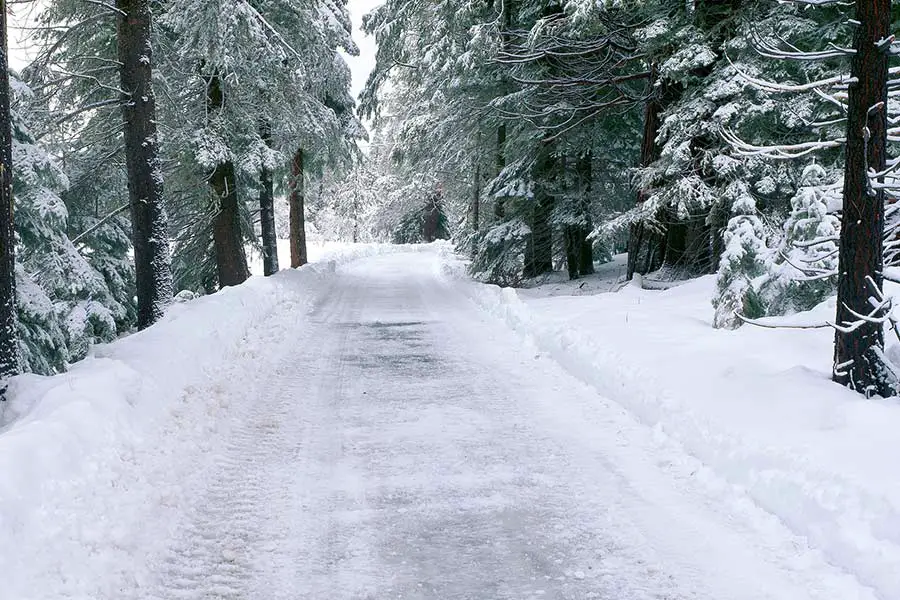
[[375, 426]]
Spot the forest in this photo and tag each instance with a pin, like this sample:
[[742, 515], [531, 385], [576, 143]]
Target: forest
[[152, 143]]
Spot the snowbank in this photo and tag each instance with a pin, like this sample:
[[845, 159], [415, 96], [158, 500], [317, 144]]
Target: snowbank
[[754, 408], [89, 456]]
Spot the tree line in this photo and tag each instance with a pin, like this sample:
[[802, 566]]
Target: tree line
[[745, 138], [143, 148], [141, 152]]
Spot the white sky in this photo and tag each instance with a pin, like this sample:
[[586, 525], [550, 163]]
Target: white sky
[[20, 18], [360, 66]]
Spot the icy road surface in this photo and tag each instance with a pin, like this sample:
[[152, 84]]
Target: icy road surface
[[406, 445]]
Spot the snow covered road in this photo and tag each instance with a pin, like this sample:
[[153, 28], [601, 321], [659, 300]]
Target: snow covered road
[[407, 446], [371, 433]]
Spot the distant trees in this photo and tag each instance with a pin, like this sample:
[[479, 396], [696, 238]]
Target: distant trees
[[494, 104], [213, 98], [561, 131]]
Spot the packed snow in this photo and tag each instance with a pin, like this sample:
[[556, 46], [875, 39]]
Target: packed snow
[[377, 425]]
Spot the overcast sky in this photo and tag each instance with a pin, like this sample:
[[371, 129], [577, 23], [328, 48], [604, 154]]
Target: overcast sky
[[20, 18], [361, 65]]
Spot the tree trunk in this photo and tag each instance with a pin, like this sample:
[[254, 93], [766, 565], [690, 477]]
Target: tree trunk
[[298, 219], [431, 222], [540, 246], [858, 353], [231, 261], [586, 254], [676, 242], [585, 248], [500, 164], [507, 18], [573, 259], [149, 224], [9, 345], [539, 250], [641, 239], [267, 209], [476, 188]]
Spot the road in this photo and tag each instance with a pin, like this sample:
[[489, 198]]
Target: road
[[408, 446]]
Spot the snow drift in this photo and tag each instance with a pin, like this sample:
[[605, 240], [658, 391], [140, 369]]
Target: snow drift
[[754, 409]]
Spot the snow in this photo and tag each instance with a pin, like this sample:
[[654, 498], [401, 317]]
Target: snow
[[754, 409], [89, 457], [378, 425]]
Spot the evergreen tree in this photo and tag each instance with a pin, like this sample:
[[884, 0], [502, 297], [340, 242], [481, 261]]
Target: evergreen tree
[[153, 276], [65, 304], [859, 338], [743, 260], [803, 269]]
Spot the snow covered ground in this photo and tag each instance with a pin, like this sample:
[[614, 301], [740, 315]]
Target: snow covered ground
[[376, 426], [751, 413]]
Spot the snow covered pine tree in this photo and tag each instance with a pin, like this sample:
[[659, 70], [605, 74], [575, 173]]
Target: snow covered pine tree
[[859, 361], [861, 101]]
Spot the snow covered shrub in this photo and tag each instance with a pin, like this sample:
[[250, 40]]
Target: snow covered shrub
[[500, 253], [743, 261], [803, 269]]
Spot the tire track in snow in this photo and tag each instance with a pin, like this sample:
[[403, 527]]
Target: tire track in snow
[[233, 531], [401, 446]]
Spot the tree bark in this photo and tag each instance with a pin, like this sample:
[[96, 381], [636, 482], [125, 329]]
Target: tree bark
[[267, 209], [585, 250], [641, 239], [231, 261], [858, 353], [476, 187], [297, 208], [573, 260], [431, 222], [676, 242], [9, 344], [507, 18], [540, 246], [500, 164], [539, 249], [149, 223]]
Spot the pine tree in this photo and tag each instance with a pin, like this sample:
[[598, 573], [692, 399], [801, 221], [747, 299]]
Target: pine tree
[[743, 260], [803, 269], [65, 303], [153, 275], [859, 342]]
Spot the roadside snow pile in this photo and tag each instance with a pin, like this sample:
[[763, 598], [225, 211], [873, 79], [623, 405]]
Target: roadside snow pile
[[755, 407], [89, 457]]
